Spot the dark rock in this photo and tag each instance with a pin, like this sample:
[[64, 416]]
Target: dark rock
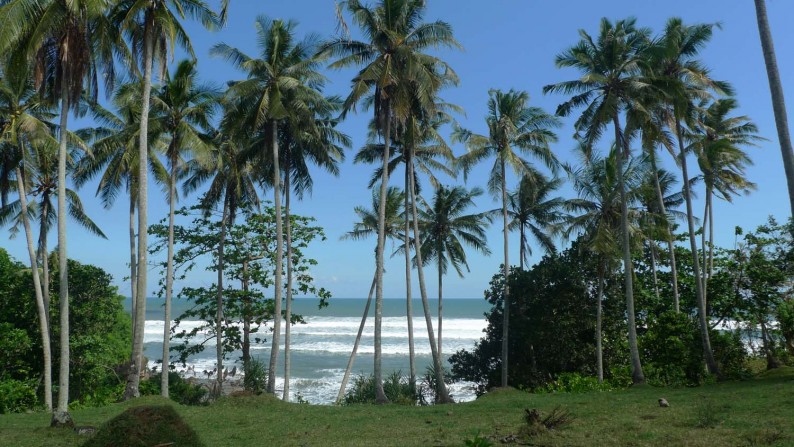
[[85, 430]]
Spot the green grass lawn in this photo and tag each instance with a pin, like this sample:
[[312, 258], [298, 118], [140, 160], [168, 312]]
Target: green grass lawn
[[751, 413]]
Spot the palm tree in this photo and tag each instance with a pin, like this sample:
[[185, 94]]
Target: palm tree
[[514, 128], [532, 210], [70, 42], [718, 143], [611, 84], [183, 110], [393, 59], [685, 82], [446, 229], [364, 228], [599, 212], [778, 99], [281, 84], [21, 113]]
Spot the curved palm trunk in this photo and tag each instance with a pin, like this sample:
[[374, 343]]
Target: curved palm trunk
[[278, 288], [711, 364], [169, 281], [288, 310], [136, 362], [380, 395], [34, 270], [652, 251], [506, 298], [409, 312], [599, 320], [63, 276], [711, 235], [44, 255], [670, 243], [705, 276], [637, 376], [352, 358], [133, 267], [219, 298], [442, 395], [440, 307], [778, 100]]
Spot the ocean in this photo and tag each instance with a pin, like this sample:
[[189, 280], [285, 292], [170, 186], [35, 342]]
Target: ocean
[[321, 347]]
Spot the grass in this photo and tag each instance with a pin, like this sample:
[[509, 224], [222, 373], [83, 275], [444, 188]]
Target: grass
[[756, 412]]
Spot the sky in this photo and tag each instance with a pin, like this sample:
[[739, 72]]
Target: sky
[[506, 44]]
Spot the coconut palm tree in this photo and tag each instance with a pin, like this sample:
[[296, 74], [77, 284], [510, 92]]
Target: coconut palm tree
[[778, 99], [281, 84], [598, 213], [514, 128], [446, 228], [611, 85], [686, 82], [718, 141], [183, 110], [367, 226], [392, 59], [532, 210], [153, 29], [22, 114], [70, 43]]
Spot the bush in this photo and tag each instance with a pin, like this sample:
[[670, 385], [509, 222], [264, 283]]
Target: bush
[[17, 395], [428, 389], [398, 389], [730, 354], [179, 389], [145, 425], [575, 383], [673, 350], [255, 376]]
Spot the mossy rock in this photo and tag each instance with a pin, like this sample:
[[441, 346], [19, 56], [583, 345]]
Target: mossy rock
[[146, 426]]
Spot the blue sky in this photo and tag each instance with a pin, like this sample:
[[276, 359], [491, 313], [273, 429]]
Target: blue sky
[[507, 44]]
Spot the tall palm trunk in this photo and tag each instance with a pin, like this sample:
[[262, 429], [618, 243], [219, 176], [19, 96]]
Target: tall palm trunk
[[63, 275], [669, 234], [136, 362], [652, 254], [599, 321], [711, 364], [442, 395], [440, 296], [133, 269], [219, 297], [288, 310], [278, 289], [705, 272], [352, 358], [637, 376], [506, 298], [711, 235], [246, 319], [778, 100], [522, 249], [34, 270], [380, 395], [44, 254], [169, 280], [409, 312]]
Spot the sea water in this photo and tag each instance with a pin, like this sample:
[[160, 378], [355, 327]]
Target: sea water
[[321, 347]]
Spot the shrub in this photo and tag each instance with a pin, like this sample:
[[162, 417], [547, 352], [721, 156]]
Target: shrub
[[17, 395], [428, 388], [730, 354], [255, 376], [145, 425], [398, 389], [179, 389], [575, 383], [673, 349]]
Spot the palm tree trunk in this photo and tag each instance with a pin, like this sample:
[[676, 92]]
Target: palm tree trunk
[[246, 319], [44, 255], [133, 269], [380, 395], [442, 395], [63, 275], [409, 312], [288, 311], [670, 243], [352, 358], [34, 270], [778, 99], [169, 281], [652, 250], [278, 288], [522, 249], [704, 276], [440, 307], [711, 234], [637, 376], [711, 364], [506, 298], [136, 362], [599, 320], [219, 298]]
